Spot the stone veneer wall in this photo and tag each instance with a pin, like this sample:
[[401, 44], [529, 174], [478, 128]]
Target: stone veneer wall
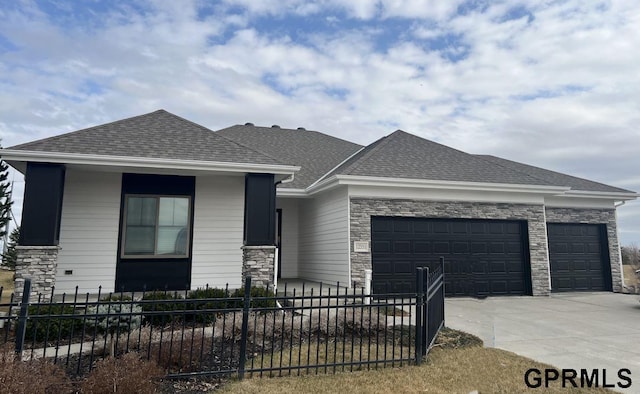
[[38, 263], [259, 262], [362, 209], [594, 216]]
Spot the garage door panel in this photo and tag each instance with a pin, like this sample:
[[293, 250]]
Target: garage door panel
[[496, 248], [381, 247], [481, 256], [401, 227], [421, 247], [403, 247], [577, 258], [440, 228], [460, 248], [384, 225]]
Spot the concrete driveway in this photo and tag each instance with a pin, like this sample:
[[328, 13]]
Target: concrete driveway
[[570, 330]]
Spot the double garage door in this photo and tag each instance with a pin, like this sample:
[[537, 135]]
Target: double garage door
[[482, 257]]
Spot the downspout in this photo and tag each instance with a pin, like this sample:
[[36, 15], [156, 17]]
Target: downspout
[[277, 252]]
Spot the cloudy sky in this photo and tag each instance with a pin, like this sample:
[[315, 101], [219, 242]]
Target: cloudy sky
[[549, 83]]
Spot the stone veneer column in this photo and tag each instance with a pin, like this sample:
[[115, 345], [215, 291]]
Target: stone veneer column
[[259, 263], [38, 263], [595, 216], [363, 208]]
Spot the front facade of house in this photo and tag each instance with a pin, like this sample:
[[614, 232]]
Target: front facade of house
[[104, 207]]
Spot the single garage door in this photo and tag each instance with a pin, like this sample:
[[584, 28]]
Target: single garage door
[[482, 257], [578, 256]]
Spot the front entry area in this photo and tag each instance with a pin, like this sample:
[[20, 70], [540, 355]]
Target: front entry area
[[482, 257]]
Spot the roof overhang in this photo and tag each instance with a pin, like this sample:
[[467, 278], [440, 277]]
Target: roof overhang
[[618, 196], [19, 158], [434, 184]]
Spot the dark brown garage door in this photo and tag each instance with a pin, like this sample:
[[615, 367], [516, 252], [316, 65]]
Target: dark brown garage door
[[482, 257], [579, 258]]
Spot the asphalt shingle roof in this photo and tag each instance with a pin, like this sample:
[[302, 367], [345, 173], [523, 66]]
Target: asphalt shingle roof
[[404, 155], [163, 135], [554, 178], [316, 153], [158, 134]]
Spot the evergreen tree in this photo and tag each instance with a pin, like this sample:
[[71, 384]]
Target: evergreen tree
[[10, 257], [5, 198]]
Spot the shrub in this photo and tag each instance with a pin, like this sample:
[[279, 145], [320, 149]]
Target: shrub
[[207, 299], [112, 297], [114, 319], [259, 292], [164, 304], [42, 328], [117, 317], [36, 376], [127, 374]]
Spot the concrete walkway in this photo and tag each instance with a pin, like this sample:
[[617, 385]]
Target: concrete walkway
[[570, 330]]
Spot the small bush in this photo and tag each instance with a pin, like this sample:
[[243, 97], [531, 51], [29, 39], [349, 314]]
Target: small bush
[[112, 297], [114, 317], [127, 374], [258, 292], [49, 329], [207, 299], [37, 376], [164, 304]]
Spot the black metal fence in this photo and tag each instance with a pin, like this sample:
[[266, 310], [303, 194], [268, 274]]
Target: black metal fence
[[306, 330]]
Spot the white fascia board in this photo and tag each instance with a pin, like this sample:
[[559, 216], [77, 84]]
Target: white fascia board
[[434, 184], [144, 162], [617, 196]]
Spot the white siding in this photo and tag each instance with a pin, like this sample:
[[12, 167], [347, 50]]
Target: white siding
[[324, 237], [89, 231], [218, 232], [289, 250]]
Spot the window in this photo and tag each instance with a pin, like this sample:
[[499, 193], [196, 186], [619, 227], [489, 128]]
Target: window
[[156, 226]]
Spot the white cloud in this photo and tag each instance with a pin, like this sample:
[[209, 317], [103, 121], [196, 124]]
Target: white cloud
[[558, 89]]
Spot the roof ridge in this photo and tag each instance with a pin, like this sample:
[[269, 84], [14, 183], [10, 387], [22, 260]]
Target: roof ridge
[[56, 137], [275, 129]]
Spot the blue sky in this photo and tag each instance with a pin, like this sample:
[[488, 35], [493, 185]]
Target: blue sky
[[548, 83]]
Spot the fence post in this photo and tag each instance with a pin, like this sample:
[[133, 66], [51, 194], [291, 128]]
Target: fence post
[[419, 302], [245, 326], [21, 329], [443, 289], [425, 314]]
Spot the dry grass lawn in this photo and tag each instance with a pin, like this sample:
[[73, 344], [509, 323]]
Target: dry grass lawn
[[6, 282], [447, 370], [630, 277]]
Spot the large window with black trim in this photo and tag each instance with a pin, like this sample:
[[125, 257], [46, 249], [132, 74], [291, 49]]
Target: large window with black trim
[[156, 226]]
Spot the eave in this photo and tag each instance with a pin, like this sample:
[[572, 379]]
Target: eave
[[16, 157], [435, 184]]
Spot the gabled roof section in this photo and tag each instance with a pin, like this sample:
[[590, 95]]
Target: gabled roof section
[[316, 153], [404, 155], [158, 135], [554, 178]]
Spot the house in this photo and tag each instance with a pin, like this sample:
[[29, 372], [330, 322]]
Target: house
[[156, 201]]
